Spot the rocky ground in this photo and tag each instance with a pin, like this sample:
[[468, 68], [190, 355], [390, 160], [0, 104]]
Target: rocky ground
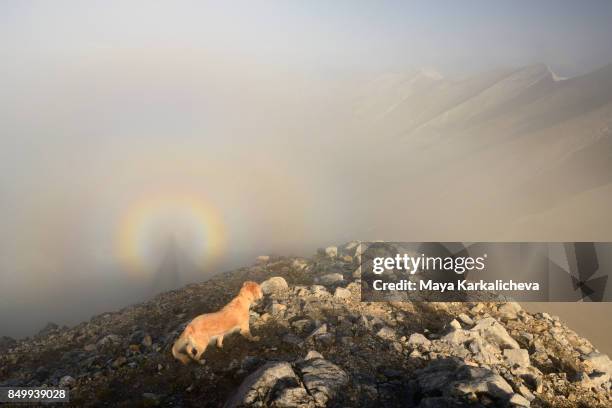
[[320, 346]]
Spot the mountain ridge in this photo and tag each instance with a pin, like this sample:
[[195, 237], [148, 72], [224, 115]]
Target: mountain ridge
[[331, 349]]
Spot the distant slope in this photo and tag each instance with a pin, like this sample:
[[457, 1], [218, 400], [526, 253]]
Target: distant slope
[[500, 146]]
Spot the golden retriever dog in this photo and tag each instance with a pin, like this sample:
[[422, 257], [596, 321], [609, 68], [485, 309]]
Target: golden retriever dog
[[209, 327]]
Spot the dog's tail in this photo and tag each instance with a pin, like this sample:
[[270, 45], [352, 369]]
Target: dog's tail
[[178, 349]]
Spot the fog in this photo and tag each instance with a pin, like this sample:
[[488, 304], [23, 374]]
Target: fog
[[143, 151]]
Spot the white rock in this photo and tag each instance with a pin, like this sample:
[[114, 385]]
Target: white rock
[[386, 333], [494, 332], [509, 310], [331, 251], [342, 293], [516, 357], [330, 279], [417, 339], [275, 284]]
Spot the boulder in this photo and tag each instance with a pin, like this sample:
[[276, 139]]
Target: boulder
[[342, 293], [417, 339], [517, 357], [452, 377], [599, 362], [331, 251], [275, 285], [509, 311], [257, 388], [323, 379], [492, 331], [330, 279]]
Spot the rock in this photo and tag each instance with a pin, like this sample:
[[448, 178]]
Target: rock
[[318, 331], [275, 285], [271, 383], [517, 400], [323, 379], [386, 333], [532, 377], [452, 377], [465, 319], [110, 340], [516, 357], [454, 324], [599, 362], [302, 325], [330, 279], [319, 291], [147, 341], [357, 273], [277, 308], [313, 354], [342, 293], [509, 311], [299, 264], [546, 316], [484, 352], [67, 382], [293, 397], [331, 251], [417, 339], [477, 308], [459, 337], [494, 332]]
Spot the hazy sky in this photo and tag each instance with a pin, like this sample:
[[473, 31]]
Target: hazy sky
[[123, 121], [573, 37]]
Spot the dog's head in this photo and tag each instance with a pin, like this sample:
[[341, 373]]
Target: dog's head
[[251, 290]]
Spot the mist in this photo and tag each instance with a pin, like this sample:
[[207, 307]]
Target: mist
[[143, 151]]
